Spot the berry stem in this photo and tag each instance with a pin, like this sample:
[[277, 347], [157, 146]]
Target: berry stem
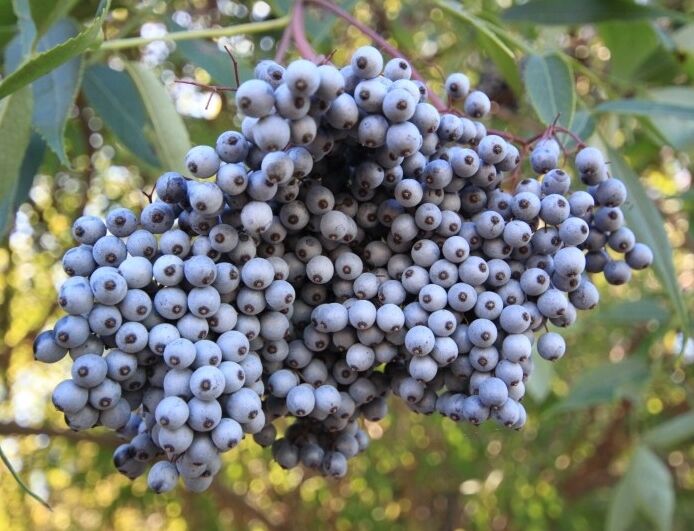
[[574, 136]]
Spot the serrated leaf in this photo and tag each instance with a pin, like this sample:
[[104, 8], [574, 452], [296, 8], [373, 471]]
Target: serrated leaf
[[115, 99], [653, 109], [575, 12], [42, 63], [672, 432], [605, 383], [648, 484], [15, 131], [643, 218], [27, 28], [54, 93], [172, 140], [550, 85]]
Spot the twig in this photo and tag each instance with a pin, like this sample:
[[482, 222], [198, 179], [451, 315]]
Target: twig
[[236, 65], [149, 195], [579, 141], [21, 483], [213, 88]]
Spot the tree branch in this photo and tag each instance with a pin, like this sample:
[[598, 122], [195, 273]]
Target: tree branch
[[13, 429]]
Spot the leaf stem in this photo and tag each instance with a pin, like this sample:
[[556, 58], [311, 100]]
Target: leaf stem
[[208, 33], [21, 483]]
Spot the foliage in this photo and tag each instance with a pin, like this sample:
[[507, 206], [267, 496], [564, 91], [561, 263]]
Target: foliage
[[90, 115]]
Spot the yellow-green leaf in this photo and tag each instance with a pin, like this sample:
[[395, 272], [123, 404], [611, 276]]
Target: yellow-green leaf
[[172, 140]]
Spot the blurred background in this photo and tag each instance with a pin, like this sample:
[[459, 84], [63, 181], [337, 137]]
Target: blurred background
[[609, 441]]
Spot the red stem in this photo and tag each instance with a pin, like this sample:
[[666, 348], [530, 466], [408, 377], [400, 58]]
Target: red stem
[[573, 135], [283, 45], [299, 33], [376, 38]]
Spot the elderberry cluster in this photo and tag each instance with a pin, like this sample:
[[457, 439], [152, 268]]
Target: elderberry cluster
[[352, 241]]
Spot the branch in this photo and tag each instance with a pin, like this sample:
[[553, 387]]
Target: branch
[[283, 45], [13, 429], [299, 33], [376, 38], [208, 33]]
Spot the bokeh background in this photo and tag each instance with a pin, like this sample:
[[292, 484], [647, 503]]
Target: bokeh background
[[610, 438]]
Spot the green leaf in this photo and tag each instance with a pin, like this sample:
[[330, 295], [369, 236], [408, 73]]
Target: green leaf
[[679, 133], [42, 63], [539, 384], [20, 482], [644, 219], [506, 64], [54, 93], [646, 488], [479, 24], [622, 508], [630, 44], [550, 85], [672, 432], [631, 313], [27, 28], [172, 141], [648, 108], [575, 12], [115, 98], [33, 157], [605, 383], [15, 131]]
